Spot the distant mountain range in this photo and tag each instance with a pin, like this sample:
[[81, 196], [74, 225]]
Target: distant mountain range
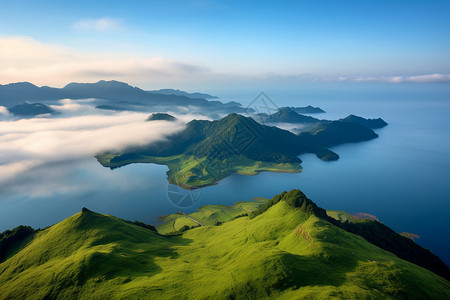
[[117, 96], [182, 93]]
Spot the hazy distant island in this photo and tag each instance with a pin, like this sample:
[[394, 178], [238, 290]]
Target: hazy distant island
[[287, 115], [307, 110], [183, 93], [207, 151], [285, 247], [161, 117], [370, 123], [31, 110]]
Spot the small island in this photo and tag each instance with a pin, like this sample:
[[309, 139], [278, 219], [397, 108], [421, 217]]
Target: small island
[[30, 110], [308, 110], [205, 152], [161, 117]]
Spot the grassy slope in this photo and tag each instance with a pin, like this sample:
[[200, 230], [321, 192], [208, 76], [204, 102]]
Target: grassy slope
[[190, 172], [283, 253], [208, 215]]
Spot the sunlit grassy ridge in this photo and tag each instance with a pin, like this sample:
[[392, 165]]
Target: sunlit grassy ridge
[[285, 252], [208, 215]]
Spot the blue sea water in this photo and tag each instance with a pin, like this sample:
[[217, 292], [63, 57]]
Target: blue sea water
[[403, 177]]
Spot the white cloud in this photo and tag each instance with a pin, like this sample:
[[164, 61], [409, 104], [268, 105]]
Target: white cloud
[[428, 78], [30, 143], [12, 170], [101, 24], [25, 59], [4, 113]]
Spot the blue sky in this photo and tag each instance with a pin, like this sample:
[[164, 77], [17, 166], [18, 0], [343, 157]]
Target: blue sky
[[218, 42]]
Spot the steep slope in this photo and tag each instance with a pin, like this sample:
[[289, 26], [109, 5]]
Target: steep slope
[[285, 252], [208, 151]]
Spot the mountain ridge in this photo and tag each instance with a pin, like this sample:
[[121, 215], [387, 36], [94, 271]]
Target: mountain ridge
[[112, 90], [284, 252]]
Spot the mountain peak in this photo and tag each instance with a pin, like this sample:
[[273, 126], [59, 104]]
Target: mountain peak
[[296, 199], [24, 84]]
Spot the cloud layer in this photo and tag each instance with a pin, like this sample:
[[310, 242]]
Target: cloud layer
[[25, 59], [428, 78], [78, 133]]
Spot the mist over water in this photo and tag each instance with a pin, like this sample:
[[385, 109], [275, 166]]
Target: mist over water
[[402, 177]]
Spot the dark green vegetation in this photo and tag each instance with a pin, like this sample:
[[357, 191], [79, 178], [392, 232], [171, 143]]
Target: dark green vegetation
[[370, 123], [30, 109], [287, 115], [287, 249], [331, 133], [112, 93], [161, 117], [208, 151], [10, 239], [327, 133], [382, 236], [307, 110]]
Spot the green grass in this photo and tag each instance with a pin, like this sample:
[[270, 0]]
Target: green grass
[[282, 253], [191, 172], [208, 215]]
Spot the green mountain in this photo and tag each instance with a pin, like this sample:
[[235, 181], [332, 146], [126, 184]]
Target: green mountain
[[208, 151], [161, 117], [307, 110], [331, 133], [370, 123], [288, 115], [327, 133], [286, 249]]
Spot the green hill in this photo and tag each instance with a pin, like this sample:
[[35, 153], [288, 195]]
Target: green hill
[[208, 151], [370, 123], [308, 110], [287, 250], [288, 115], [331, 133]]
